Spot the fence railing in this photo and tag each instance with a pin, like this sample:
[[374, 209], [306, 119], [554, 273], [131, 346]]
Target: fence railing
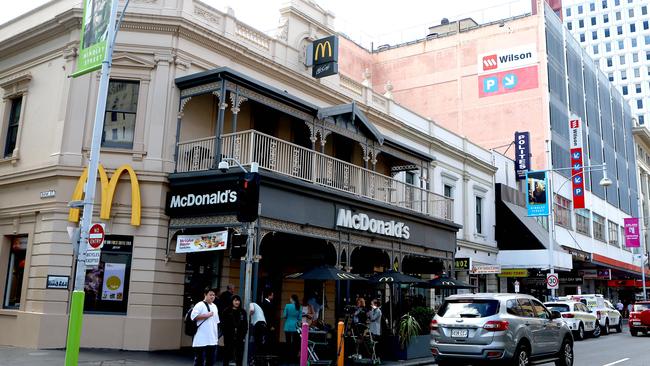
[[289, 159]]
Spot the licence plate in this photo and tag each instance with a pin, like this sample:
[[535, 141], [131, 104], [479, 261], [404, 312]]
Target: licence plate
[[459, 333]]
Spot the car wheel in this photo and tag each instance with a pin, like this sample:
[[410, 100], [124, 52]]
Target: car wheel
[[634, 332], [580, 334], [605, 329], [596, 332], [566, 354], [619, 326], [522, 356]]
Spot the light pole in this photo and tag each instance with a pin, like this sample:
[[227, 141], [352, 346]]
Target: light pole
[[250, 243], [604, 182]]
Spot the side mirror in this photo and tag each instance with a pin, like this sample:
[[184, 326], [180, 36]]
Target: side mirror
[[555, 314]]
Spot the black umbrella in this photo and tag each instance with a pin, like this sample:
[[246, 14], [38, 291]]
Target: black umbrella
[[449, 283], [394, 277], [326, 273]]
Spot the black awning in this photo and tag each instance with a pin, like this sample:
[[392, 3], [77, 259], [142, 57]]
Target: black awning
[[356, 114], [514, 229]]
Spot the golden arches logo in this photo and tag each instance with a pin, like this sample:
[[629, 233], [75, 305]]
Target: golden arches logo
[[323, 47], [108, 188]]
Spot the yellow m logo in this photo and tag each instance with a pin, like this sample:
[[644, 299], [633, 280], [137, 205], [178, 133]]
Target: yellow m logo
[[108, 191], [322, 47]]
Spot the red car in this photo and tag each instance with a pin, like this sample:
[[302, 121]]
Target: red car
[[640, 318]]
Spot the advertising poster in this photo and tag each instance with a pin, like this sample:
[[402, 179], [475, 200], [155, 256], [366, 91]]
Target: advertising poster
[[202, 243], [537, 202], [632, 239], [522, 154], [577, 180], [94, 34], [113, 288]]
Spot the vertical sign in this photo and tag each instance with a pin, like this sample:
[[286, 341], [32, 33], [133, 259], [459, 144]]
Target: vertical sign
[[325, 57], [522, 152], [537, 202], [577, 180], [632, 237], [94, 34]]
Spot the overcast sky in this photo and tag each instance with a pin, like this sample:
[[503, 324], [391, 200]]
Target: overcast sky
[[378, 21]]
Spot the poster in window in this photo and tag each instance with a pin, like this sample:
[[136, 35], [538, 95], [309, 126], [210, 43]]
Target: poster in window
[[113, 288]]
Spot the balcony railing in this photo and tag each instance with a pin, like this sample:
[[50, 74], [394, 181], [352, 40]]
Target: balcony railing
[[296, 161]]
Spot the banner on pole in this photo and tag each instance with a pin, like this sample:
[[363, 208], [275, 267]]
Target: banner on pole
[[522, 154], [537, 202], [94, 35], [632, 237], [577, 176]]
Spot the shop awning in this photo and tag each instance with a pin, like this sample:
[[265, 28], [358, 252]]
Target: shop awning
[[614, 263], [356, 115], [536, 231]]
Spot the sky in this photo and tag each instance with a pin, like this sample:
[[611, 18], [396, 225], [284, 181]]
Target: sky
[[365, 21]]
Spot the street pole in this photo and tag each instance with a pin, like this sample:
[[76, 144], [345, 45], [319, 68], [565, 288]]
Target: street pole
[[75, 320], [551, 218], [250, 243]]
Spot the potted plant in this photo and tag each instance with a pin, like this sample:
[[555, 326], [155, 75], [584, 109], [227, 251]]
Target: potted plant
[[408, 328], [409, 342]]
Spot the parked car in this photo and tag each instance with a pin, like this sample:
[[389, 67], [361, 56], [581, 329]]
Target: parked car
[[640, 318], [513, 328], [608, 316], [578, 317]]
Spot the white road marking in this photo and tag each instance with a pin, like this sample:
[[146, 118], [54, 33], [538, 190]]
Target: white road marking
[[615, 362]]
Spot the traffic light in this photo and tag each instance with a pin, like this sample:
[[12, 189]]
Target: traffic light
[[248, 197]]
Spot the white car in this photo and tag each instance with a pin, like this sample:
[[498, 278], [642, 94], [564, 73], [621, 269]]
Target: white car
[[608, 317], [578, 317]]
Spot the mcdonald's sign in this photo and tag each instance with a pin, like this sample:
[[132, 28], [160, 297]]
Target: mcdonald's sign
[[325, 52], [108, 188]]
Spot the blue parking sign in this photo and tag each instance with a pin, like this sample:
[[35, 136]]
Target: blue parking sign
[[491, 84]]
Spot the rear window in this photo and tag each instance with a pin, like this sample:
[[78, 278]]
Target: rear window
[[641, 307], [468, 308], [562, 308]]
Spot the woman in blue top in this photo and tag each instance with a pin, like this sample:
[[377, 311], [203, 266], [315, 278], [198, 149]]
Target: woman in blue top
[[292, 317]]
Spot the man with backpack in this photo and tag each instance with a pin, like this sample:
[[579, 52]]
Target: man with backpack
[[206, 333]]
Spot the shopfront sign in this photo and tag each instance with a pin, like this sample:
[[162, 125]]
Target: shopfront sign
[[537, 202], [595, 274], [325, 56], [577, 180], [108, 188], [215, 198], [513, 272], [363, 222], [58, 282], [522, 154], [632, 232], [462, 264], [507, 59], [202, 243], [479, 269]]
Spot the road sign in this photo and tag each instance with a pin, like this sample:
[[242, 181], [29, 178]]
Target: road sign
[[552, 281], [96, 236], [92, 257]]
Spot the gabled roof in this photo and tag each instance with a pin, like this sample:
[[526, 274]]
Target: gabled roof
[[357, 114]]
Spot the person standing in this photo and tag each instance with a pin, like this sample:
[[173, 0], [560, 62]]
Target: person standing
[[292, 320], [206, 314], [225, 299], [374, 318], [308, 312], [258, 321], [269, 314], [235, 326]]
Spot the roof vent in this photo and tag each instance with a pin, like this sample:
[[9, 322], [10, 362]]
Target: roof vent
[[444, 21]]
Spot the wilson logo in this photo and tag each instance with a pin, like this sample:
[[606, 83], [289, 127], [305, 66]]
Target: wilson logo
[[490, 62]]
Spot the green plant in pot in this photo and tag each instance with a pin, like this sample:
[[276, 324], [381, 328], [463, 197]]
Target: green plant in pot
[[423, 315], [408, 328]]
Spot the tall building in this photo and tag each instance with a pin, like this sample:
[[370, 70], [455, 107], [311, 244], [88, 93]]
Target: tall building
[[527, 74], [616, 34]]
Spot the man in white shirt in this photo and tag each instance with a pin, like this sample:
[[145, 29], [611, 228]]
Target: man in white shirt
[[206, 316], [258, 321]]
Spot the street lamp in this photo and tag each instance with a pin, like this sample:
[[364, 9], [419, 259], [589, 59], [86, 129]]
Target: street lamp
[[604, 182]]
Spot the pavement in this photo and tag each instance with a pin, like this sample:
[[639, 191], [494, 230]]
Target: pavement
[[12, 356]]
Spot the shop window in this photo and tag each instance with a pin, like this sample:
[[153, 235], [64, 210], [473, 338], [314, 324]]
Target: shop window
[[107, 285], [12, 125], [582, 221], [16, 271], [613, 233], [562, 207], [121, 108], [599, 227]]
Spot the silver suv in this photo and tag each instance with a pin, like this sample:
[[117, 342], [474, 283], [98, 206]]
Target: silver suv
[[510, 329]]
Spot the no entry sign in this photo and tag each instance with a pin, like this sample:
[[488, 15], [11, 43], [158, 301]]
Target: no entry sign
[[96, 236]]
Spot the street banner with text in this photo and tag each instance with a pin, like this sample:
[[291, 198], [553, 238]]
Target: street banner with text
[[94, 34], [632, 238], [537, 202], [522, 154], [577, 176]]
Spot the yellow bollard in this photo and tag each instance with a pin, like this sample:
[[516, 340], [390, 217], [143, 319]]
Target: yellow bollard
[[340, 349]]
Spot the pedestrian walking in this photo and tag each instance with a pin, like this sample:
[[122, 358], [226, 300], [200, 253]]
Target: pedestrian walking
[[259, 330], [235, 326], [206, 314], [292, 316]]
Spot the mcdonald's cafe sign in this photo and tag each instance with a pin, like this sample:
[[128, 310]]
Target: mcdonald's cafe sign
[[108, 188], [325, 52]]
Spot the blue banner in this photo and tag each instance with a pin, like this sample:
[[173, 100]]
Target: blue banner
[[536, 187], [522, 154]]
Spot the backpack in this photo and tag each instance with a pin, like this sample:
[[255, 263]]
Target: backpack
[[190, 325]]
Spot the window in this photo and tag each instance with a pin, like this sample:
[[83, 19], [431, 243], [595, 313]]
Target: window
[[121, 108], [16, 272], [632, 27], [644, 10], [581, 23], [562, 207], [579, 9], [647, 40], [619, 30], [540, 310], [639, 103], [623, 75], [624, 89], [599, 227], [568, 12], [634, 42], [610, 76], [637, 73], [592, 7], [448, 191], [608, 47], [621, 45], [645, 25], [637, 88], [526, 308], [647, 56], [582, 37], [594, 35], [582, 221], [617, 2], [613, 233], [604, 4], [569, 26], [12, 125], [479, 215], [641, 119], [512, 307], [593, 20], [107, 285], [609, 62], [622, 59], [595, 48], [631, 13], [607, 33]]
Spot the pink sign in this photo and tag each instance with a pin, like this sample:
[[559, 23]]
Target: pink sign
[[632, 232], [507, 81]]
